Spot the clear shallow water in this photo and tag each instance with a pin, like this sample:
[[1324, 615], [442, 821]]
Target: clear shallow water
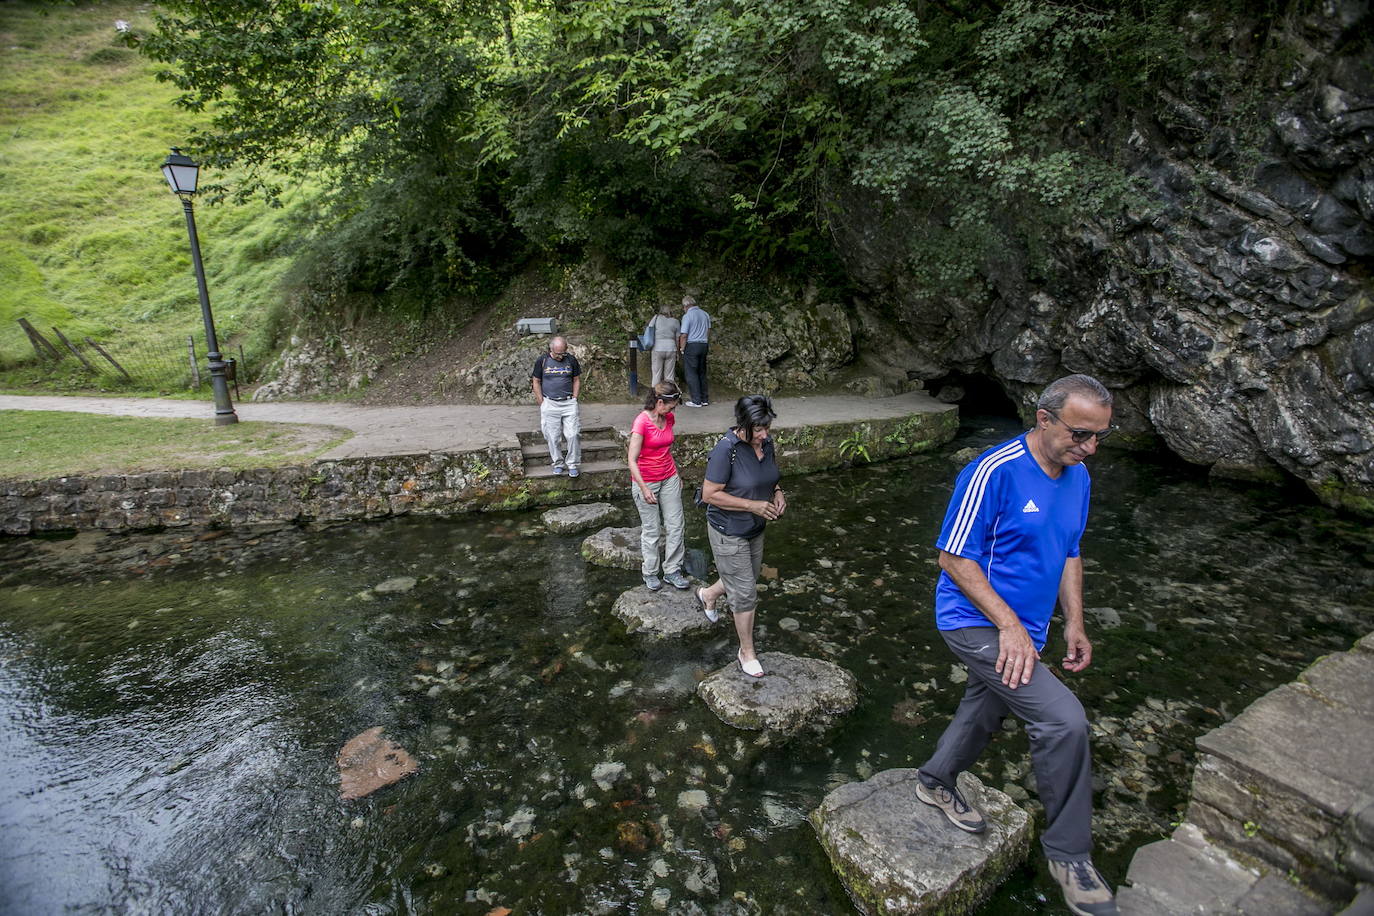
[[170, 708]]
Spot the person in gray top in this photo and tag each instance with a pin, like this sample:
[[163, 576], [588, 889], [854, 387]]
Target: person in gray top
[[664, 353], [556, 379], [743, 495]]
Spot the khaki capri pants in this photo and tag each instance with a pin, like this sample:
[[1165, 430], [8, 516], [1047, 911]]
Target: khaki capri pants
[[738, 561]]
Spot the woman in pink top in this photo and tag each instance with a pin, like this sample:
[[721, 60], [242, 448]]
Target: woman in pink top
[[658, 488]]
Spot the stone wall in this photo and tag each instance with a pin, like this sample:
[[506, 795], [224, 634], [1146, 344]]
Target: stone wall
[[434, 483]]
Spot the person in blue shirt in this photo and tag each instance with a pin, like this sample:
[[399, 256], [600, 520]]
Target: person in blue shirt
[[692, 344], [1009, 550]]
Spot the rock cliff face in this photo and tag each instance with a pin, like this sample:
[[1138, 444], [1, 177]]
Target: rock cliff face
[[1233, 316]]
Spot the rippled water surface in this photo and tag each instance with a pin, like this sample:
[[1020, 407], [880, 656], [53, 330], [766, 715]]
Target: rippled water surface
[[171, 707]]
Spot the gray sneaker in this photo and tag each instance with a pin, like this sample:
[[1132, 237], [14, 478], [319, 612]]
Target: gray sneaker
[[951, 804], [676, 579], [652, 583], [1085, 890]]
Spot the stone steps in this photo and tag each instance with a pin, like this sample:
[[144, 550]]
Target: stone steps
[[1283, 794], [603, 453]]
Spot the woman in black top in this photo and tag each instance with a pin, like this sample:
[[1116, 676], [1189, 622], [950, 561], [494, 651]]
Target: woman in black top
[[743, 495]]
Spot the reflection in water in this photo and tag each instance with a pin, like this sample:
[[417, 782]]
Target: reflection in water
[[170, 705]]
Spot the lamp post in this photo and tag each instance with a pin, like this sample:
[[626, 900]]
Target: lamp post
[[182, 174]]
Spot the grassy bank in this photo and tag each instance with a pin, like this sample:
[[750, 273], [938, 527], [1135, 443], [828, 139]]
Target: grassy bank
[[91, 239], [40, 444]]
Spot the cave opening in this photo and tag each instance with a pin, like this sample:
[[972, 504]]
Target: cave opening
[[980, 397]]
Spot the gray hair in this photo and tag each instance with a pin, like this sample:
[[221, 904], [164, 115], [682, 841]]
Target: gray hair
[[665, 309], [1060, 390], [688, 302]]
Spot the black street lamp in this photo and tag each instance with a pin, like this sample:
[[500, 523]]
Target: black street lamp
[[182, 173]]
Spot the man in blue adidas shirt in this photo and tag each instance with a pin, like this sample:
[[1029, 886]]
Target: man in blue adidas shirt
[[1008, 551]]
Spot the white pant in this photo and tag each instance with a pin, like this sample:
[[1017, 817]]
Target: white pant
[[669, 509], [557, 417], [665, 363]]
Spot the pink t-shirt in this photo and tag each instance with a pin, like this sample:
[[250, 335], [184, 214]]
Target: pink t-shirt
[[655, 457]]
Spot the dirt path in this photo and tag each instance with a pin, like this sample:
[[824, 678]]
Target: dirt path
[[459, 427]]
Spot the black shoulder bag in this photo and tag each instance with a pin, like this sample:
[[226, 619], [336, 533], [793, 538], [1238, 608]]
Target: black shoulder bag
[[696, 497]]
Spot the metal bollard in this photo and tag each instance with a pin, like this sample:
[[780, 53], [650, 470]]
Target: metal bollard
[[632, 364]]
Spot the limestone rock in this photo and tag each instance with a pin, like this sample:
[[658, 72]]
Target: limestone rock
[[794, 694], [397, 584], [897, 855], [371, 761], [666, 613], [614, 547], [1232, 317], [572, 519]]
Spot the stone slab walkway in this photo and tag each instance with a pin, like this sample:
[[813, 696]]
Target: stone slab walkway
[[1282, 794], [462, 427]]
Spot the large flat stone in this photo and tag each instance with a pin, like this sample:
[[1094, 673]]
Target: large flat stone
[[1189, 874], [572, 519], [1189, 879], [794, 694], [614, 547], [664, 614], [1346, 678], [1302, 742], [896, 855]]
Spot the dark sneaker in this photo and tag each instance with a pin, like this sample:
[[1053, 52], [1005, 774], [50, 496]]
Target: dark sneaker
[[960, 813], [676, 580], [652, 583], [1085, 891]]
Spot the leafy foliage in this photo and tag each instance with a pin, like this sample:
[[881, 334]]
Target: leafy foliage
[[459, 137]]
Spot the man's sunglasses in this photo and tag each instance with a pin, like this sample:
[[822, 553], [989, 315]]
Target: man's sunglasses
[[1080, 436]]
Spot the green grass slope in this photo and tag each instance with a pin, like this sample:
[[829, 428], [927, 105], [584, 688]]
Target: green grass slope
[[91, 239]]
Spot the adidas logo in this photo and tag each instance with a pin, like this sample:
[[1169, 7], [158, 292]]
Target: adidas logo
[[1030, 506]]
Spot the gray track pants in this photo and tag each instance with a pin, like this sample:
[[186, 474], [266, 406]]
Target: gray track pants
[[1058, 731]]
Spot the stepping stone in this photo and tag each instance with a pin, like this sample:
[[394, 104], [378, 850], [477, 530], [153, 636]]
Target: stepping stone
[[614, 547], [895, 854], [664, 614], [794, 693], [572, 519]]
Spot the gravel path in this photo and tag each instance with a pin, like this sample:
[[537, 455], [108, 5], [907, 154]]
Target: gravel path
[[459, 427]]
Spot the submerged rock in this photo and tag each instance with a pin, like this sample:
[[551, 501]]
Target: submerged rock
[[572, 519], [897, 855], [371, 761], [663, 614], [794, 693], [614, 547], [398, 584]]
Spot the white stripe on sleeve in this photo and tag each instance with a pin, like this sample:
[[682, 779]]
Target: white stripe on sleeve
[[973, 495]]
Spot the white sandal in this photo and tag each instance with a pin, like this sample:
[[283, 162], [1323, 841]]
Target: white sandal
[[711, 613], [751, 668]]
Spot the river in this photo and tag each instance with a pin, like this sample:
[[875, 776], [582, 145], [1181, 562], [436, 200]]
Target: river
[[171, 704]]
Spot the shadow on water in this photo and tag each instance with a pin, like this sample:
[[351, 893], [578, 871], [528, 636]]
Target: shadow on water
[[170, 705]]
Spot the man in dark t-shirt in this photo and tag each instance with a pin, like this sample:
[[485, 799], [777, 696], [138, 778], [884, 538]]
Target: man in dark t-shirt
[[556, 379]]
